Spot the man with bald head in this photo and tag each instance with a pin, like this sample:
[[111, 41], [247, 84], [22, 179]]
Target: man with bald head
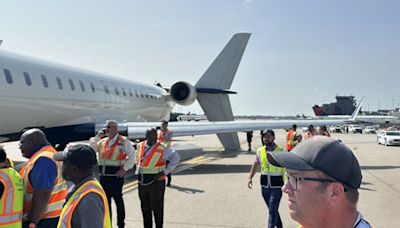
[[44, 188], [151, 157]]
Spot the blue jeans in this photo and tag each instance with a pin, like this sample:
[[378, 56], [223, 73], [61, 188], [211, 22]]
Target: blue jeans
[[272, 197]]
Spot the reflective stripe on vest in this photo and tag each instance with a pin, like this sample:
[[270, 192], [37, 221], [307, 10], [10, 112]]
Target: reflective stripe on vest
[[153, 162], [92, 186], [266, 167], [12, 199], [114, 155], [165, 138], [59, 191]]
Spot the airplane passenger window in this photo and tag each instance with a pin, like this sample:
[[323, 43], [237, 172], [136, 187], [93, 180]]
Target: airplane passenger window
[[8, 76], [82, 86], [123, 91], [137, 95], [71, 84], [92, 87], [106, 89], [59, 82], [116, 91], [28, 80], [130, 92], [44, 80], [147, 96]]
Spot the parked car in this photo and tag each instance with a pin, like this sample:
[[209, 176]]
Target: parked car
[[388, 137], [355, 129], [336, 129], [370, 130]]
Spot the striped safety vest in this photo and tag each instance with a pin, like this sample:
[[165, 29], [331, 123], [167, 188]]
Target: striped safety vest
[[114, 155], [266, 167], [59, 191], [92, 186], [11, 202], [153, 162], [165, 138], [290, 140]]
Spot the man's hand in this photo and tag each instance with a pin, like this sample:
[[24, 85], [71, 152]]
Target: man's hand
[[101, 133], [250, 183], [120, 173]]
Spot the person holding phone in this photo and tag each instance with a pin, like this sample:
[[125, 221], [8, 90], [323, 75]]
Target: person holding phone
[[116, 156]]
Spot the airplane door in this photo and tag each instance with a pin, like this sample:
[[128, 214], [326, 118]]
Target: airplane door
[[107, 95]]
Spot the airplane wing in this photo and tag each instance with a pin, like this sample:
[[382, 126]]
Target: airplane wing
[[136, 130]]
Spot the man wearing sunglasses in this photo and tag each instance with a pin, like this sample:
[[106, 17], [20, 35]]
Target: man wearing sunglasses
[[323, 177]]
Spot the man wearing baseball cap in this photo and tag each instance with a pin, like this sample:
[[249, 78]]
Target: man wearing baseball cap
[[271, 179], [86, 205], [323, 177]]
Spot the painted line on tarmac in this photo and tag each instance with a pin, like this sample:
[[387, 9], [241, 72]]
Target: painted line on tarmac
[[191, 163]]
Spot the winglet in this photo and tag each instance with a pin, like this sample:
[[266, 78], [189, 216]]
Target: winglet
[[356, 111]]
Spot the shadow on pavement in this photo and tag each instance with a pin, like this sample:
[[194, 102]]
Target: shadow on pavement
[[215, 168], [186, 190], [379, 167]]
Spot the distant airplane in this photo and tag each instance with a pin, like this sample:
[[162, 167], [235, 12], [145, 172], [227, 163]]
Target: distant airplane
[[371, 119], [191, 117], [71, 104]]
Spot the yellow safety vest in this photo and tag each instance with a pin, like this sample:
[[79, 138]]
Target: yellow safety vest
[[114, 155], [266, 167], [92, 186], [11, 202]]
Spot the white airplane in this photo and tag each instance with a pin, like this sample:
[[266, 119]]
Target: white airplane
[[370, 119], [71, 104], [191, 117]]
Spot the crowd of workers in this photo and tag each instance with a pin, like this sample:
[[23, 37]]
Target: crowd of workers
[[320, 175], [320, 194], [37, 196]]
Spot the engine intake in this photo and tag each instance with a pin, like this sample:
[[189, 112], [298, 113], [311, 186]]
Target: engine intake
[[183, 93]]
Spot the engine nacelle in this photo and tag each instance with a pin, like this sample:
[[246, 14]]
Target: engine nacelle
[[183, 93]]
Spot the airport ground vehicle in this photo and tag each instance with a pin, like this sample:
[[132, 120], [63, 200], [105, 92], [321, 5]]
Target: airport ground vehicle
[[355, 129], [388, 138], [370, 130]]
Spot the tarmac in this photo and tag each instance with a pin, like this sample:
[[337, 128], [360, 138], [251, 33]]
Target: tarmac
[[209, 187]]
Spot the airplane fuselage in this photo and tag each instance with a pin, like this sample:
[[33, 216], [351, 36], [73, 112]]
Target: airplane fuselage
[[36, 93]]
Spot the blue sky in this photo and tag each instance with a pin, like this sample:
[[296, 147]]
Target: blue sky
[[300, 53]]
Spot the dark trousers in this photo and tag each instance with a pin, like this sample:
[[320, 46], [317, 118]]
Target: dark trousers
[[152, 202], [44, 223], [113, 188], [169, 175], [272, 197]]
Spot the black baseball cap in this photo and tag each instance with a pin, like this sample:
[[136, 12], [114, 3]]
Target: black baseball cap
[[81, 155], [269, 131], [322, 153]]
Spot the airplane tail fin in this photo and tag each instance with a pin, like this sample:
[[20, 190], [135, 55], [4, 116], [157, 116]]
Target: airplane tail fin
[[213, 87], [357, 110]]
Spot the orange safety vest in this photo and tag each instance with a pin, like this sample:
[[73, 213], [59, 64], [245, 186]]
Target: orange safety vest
[[92, 186], [161, 137], [11, 201], [153, 162], [114, 155], [58, 193], [290, 140]]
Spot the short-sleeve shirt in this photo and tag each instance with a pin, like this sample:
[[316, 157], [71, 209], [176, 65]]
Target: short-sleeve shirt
[[43, 174]]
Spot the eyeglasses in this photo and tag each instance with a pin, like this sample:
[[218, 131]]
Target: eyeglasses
[[295, 182]]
